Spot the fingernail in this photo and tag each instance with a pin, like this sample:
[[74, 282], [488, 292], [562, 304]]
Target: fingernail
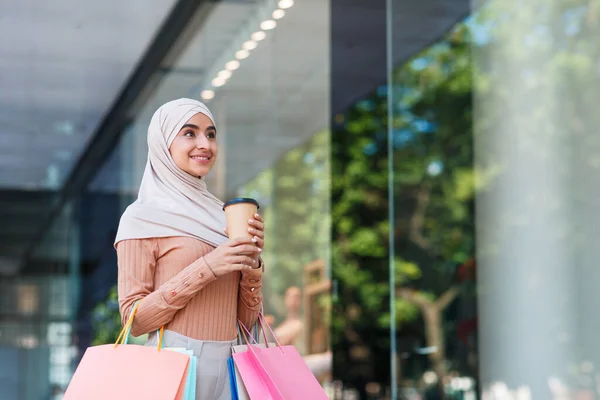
[[259, 249], [253, 261], [255, 239], [257, 215], [250, 221]]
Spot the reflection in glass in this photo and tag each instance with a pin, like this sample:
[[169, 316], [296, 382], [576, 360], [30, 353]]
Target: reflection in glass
[[297, 293]]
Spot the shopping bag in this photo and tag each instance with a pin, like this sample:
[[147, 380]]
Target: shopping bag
[[124, 372], [190, 383], [242, 393], [254, 382], [257, 385], [233, 385], [282, 368]]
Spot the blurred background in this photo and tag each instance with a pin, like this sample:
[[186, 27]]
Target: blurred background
[[428, 172]]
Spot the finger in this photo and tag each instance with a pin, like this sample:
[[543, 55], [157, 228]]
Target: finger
[[256, 224], [226, 231], [260, 243], [244, 260], [250, 261], [259, 217], [244, 249], [247, 250], [256, 232], [240, 267]]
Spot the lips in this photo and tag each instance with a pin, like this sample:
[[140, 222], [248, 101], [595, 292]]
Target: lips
[[201, 158]]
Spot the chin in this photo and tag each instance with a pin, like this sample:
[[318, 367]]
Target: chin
[[199, 172]]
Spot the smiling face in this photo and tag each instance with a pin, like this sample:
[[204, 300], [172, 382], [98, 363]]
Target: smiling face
[[194, 149]]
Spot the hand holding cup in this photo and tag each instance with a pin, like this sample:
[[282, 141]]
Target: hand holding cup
[[257, 230], [233, 255], [243, 220]]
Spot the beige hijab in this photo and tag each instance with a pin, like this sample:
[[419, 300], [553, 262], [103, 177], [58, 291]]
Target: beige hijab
[[170, 201]]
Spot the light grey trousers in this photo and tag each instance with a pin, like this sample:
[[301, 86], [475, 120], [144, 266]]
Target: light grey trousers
[[212, 381]]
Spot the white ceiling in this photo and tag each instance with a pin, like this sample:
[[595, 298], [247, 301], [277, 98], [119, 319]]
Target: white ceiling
[[62, 63]]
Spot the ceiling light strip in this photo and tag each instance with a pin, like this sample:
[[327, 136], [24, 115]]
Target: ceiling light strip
[[241, 46]]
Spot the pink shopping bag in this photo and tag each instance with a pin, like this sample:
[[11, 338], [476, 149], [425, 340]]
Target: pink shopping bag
[[280, 370], [257, 386], [242, 392], [288, 372], [126, 372]]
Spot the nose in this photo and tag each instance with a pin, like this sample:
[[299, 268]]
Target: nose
[[202, 142]]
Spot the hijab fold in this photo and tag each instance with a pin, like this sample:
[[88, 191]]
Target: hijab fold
[[172, 202]]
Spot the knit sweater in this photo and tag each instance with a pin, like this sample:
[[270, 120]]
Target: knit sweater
[[180, 292]]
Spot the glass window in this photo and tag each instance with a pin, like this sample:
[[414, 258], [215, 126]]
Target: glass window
[[434, 227]]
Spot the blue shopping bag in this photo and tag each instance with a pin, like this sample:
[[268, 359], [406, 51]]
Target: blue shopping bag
[[232, 380]]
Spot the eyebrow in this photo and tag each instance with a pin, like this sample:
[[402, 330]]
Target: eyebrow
[[210, 127]]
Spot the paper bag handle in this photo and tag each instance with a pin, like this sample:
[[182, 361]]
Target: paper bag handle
[[263, 321], [123, 337], [248, 343]]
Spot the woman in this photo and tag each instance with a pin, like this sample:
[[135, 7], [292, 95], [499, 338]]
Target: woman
[[174, 255]]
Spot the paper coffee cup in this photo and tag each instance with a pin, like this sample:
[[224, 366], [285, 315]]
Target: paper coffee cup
[[238, 211]]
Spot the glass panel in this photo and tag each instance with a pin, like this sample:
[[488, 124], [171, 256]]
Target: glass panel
[[360, 252], [431, 139], [38, 310], [384, 151], [537, 142], [297, 189], [508, 133], [105, 199]]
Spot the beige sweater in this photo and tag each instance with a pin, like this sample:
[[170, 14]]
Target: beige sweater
[[180, 291]]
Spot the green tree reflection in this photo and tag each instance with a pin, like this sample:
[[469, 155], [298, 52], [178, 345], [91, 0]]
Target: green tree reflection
[[434, 191]]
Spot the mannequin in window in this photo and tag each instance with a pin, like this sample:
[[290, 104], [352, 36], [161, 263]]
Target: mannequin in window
[[290, 330]]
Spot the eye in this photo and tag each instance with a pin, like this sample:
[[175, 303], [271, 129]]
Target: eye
[[211, 135], [189, 134]]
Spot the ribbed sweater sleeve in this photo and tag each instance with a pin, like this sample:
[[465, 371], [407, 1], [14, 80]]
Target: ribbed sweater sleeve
[[137, 260], [250, 297]]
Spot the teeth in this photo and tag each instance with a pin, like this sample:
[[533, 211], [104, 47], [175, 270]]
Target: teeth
[[200, 158]]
